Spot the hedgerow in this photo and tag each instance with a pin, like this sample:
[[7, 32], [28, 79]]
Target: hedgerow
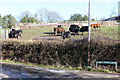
[[70, 53]]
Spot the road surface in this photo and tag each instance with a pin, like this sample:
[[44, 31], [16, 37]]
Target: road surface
[[22, 71]]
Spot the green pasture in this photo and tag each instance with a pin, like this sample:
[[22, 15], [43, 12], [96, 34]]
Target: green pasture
[[107, 32], [48, 31], [37, 32]]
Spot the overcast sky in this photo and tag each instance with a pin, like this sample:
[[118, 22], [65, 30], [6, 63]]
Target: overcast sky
[[99, 8]]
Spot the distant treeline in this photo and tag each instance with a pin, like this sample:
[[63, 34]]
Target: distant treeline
[[42, 15]]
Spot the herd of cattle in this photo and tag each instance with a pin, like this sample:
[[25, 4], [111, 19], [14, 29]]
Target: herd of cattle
[[73, 29], [59, 29]]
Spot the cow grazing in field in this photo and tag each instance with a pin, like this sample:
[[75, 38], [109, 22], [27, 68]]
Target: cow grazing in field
[[74, 28], [15, 33], [59, 29], [96, 25], [84, 29], [66, 35]]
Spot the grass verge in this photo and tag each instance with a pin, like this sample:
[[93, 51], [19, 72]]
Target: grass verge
[[62, 67], [38, 65]]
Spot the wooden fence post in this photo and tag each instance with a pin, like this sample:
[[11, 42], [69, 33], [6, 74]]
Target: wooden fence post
[[4, 33]]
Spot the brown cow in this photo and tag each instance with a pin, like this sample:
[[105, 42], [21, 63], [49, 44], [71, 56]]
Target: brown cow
[[96, 25], [59, 30]]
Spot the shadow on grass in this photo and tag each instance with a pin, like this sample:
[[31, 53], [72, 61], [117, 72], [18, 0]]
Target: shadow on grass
[[49, 33]]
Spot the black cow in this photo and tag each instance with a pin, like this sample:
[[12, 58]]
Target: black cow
[[66, 35], [84, 29], [74, 28], [59, 26], [15, 33]]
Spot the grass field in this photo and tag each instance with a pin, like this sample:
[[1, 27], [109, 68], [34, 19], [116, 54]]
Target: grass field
[[107, 32], [38, 32], [43, 31]]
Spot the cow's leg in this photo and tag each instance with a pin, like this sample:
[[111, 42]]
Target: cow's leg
[[63, 36], [20, 35], [10, 35], [16, 36], [82, 33], [69, 35], [55, 32], [62, 33], [13, 35]]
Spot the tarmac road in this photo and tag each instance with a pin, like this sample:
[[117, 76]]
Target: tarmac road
[[21, 71]]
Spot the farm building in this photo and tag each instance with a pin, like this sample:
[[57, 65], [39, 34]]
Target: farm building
[[116, 18]]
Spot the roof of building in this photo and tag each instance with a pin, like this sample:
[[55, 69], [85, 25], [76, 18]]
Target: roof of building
[[116, 18]]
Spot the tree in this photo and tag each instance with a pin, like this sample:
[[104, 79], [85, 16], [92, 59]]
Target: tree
[[8, 21], [76, 17], [48, 16], [11, 21], [113, 13], [54, 16], [27, 19], [92, 19], [24, 14], [0, 20], [4, 22], [85, 18], [42, 14]]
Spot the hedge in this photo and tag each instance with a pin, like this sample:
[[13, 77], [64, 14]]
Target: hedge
[[70, 53]]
